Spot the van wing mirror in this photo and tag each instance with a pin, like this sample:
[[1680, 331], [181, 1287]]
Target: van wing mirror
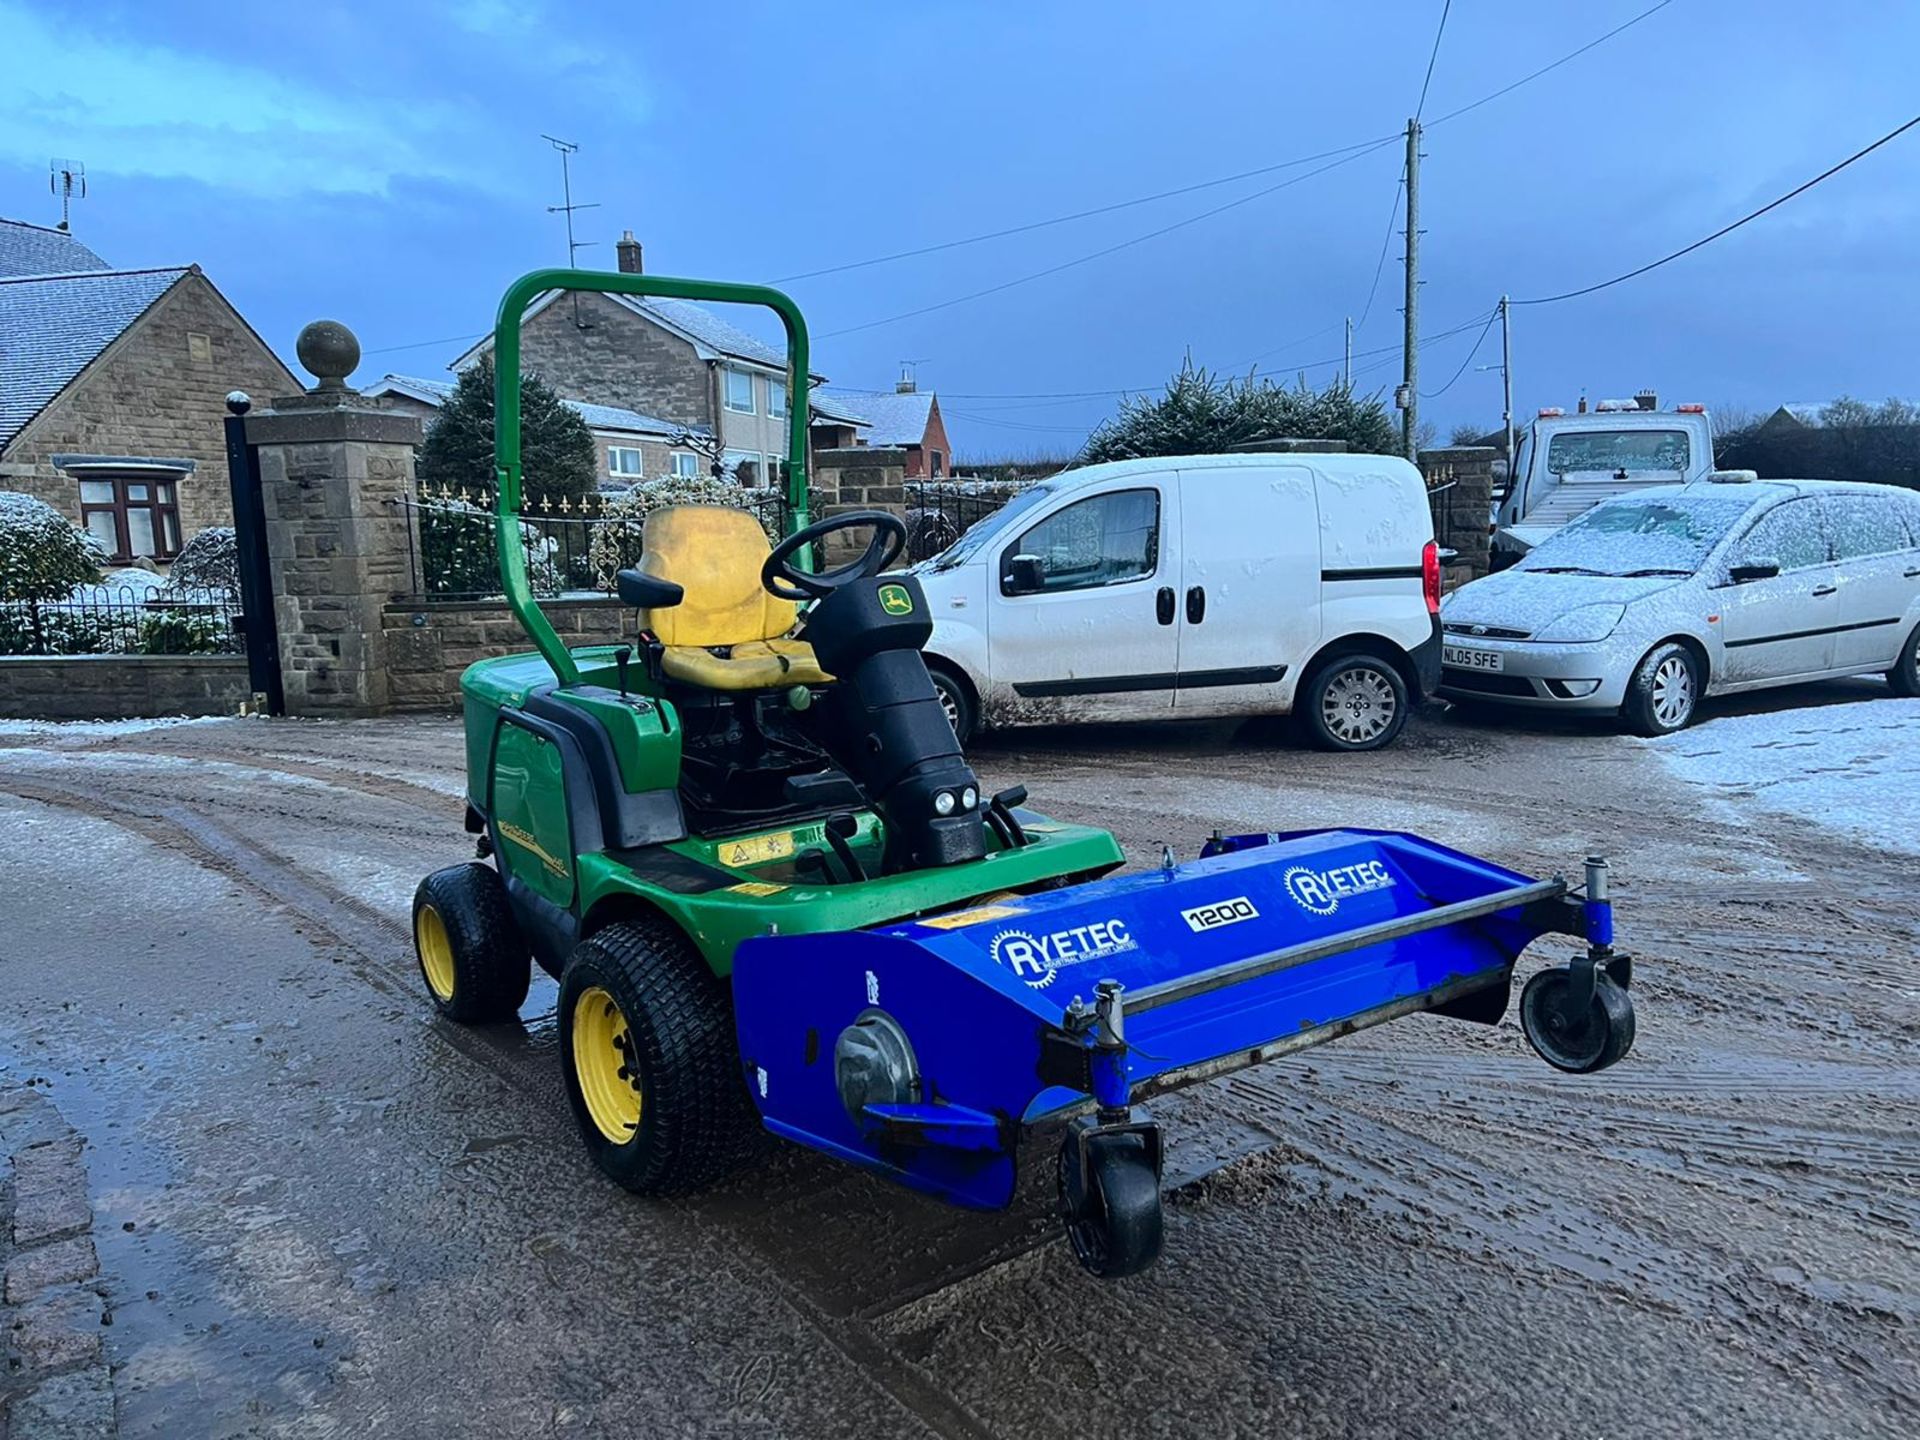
[[1761, 567], [1023, 575], [648, 592]]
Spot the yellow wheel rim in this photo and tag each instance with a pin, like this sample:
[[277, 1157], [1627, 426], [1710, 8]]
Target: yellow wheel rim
[[436, 951], [604, 1065]]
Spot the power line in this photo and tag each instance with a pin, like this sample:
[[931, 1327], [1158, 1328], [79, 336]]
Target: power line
[[1544, 69], [1436, 394], [1445, 10], [426, 344], [1800, 189], [1081, 214], [1108, 250]]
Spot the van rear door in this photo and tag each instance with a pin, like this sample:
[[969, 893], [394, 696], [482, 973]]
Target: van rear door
[[1249, 600]]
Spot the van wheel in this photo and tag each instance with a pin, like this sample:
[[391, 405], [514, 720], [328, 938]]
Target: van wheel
[[1664, 693], [1905, 675], [957, 701], [1353, 702]]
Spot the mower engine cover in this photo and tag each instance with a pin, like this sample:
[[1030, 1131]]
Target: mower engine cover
[[886, 724]]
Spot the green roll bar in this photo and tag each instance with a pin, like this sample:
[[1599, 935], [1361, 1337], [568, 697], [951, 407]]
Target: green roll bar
[[506, 408]]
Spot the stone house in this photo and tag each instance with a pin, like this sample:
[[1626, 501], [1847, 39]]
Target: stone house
[[632, 446], [670, 359], [906, 419], [113, 386]]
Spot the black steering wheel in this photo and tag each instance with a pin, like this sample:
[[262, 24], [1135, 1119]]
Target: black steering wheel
[[783, 579]]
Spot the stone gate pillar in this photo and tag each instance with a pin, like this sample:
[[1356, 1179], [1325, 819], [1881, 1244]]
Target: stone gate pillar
[[336, 476]]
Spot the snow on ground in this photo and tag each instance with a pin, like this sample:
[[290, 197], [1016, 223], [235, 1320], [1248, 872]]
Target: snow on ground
[[100, 729], [1848, 767]]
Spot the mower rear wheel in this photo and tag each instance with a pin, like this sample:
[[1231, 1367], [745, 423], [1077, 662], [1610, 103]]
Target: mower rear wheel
[[1113, 1216], [652, 1066], [1576, 1043], [471, 952]]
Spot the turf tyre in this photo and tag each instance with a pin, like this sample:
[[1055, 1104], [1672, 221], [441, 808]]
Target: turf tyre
[[480, 974]]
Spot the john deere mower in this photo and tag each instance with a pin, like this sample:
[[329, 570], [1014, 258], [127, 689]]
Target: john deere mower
[[750, 850]]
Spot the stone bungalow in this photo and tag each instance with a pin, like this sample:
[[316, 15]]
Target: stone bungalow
[[113, 387], [908, 419]]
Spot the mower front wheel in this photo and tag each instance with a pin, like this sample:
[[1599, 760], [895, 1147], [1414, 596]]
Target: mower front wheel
[[652, 1067], [1112, 1210], [471, 952], [1569, 1037]]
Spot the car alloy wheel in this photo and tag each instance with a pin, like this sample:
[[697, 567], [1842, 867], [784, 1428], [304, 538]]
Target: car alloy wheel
[[1359, 705]]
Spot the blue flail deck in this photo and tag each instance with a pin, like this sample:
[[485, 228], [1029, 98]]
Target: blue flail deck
[[1271, 944]]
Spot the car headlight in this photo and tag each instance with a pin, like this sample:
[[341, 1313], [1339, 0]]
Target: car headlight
[[1581, 626]]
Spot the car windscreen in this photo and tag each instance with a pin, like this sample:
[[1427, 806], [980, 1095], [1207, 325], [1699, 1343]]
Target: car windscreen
[[983, 530], [1618, 452], [1640, 535]]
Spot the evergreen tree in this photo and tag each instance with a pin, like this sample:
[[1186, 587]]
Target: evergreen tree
[[558, 456]]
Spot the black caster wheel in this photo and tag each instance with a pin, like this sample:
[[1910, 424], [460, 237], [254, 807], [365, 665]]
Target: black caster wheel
[[1579, 1043], [1112, 1211]]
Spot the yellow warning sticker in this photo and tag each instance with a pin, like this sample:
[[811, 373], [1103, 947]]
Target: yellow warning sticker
[[756, 887], [979, 915], [757, 849]]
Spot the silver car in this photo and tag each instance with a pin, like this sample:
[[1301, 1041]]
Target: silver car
[[1652, 601]]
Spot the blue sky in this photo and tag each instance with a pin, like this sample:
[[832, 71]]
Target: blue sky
[[382, 165]]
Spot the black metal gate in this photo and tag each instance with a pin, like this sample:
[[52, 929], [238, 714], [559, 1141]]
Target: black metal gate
[[250, 541]]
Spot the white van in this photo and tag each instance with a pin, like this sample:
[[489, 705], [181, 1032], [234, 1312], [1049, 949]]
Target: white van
[[1196, 586]]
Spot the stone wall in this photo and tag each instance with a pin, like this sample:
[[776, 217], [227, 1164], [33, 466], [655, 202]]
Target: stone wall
[[121, 687], [1460, 486], [617, 358], [428, 645], [857, 477], [151, 395]]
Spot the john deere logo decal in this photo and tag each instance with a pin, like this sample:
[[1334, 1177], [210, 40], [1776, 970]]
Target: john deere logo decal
[[895, 600]]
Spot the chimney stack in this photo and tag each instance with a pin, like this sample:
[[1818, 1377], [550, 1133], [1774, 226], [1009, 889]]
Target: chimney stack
[[1647, 400], [629, 252]]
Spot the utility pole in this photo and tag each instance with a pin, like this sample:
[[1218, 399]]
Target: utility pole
[[567, 149], [1410, 416], [1506, 381], [1348, 372]]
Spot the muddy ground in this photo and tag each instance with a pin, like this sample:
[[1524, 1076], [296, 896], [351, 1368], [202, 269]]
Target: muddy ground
[[319, 1211]]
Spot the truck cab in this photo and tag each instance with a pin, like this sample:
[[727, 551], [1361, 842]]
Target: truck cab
[[1564, 465]]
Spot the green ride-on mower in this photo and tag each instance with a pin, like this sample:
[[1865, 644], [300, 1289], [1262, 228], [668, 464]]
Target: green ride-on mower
[[772, 891]]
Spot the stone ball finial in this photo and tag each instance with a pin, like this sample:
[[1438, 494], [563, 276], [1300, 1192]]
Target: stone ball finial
[[330, 352]]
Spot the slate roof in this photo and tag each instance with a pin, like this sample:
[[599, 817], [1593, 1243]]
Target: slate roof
[[896, 419], [826, 407], [41, 250], [706, 329], [599, 417], [53, 326]]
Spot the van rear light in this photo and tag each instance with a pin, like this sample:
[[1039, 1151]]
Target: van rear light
[[1551, 412], [1430, 576], [1689, 409]]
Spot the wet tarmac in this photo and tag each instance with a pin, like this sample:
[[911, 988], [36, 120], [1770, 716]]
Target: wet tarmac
[[319, 1211]]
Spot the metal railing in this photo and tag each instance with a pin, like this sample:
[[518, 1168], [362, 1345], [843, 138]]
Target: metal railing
[[575, 545], [104, 620], [939, 512]]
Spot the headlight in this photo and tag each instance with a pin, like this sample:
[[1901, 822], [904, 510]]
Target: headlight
[[943, 803], [1581, 626], [969, 798]]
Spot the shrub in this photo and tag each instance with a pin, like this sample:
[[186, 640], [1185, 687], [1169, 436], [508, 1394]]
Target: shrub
[[1202, 415], [209, 561], [458, 557], [183, 632]]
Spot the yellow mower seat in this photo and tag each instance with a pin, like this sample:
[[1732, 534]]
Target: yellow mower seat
[[727, 632]]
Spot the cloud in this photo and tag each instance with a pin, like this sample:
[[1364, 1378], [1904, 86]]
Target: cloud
[[138, 108]]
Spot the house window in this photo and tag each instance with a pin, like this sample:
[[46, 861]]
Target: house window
[[742, 466], [740, 391], [777, 399], [624, 460], [132, 515], [938, 464], [686, 465], [776, 471]]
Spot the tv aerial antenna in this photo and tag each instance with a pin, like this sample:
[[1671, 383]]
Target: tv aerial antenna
[[68, 180], [568, 149]]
